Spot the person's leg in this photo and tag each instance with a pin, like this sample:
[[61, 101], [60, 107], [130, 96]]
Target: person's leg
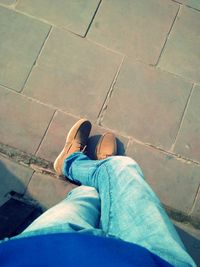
[[80, 211], [129, 208]]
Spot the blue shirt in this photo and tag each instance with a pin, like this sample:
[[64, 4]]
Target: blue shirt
[[75, 249]]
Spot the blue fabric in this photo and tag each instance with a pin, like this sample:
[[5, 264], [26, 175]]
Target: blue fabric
[[79, 212], [114, 200], [76, 250]]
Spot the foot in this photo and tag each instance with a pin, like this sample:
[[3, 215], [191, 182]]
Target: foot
[[107, 146], [76, 141]]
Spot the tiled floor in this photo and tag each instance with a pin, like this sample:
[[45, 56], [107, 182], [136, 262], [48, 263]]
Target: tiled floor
[[131, 67]]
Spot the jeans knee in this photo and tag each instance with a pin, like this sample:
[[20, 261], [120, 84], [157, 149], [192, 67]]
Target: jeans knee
[[121, 160], [83, 191], [123, 163]]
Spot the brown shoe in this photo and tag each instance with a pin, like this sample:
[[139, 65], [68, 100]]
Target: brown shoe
[[107, 146], [76, 141]]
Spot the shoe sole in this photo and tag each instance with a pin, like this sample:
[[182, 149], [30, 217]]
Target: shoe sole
[[63, 152]]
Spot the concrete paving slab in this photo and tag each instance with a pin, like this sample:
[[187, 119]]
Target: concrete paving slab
[[73, 15], [181, 54], [8, 2], [174, 181], [21, 39], [188, 141], [13, 177], [132, 27], [73, 74], [23, 121], [48, 191], [147, 104], [55, 137], [191, 3]]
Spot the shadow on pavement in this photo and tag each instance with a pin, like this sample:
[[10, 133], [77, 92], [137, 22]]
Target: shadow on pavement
[[191, 243], [15, 213]]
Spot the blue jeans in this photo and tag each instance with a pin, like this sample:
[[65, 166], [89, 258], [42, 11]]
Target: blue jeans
[[114, 200]]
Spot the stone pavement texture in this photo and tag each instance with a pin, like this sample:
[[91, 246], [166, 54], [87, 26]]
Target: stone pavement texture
[[132, 67]]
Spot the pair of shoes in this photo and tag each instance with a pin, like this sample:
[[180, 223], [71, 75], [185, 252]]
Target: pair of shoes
[[76, 141]]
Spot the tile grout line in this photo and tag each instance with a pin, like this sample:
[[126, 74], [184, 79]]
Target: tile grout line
[[159, 149], [168, 35], [110, 49], [40, 102], [183, 116], [186, 79], [128, 145], [54, 113], [37, 57], [26, 189], [20, 12], [151, 146], [178, 2], [89, 26], [16, 3], [195, 200], [109, 94], [194, 8], [167, 152], [43, 20], [24, 158], [44, 43]]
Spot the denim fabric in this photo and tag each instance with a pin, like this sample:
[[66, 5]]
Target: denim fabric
[[78, 212], [114, 200]]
